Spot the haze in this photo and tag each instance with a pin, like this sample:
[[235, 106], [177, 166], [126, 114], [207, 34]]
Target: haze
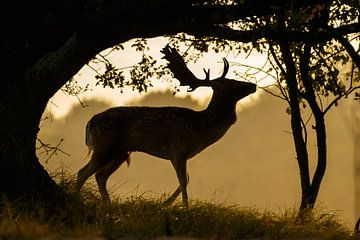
[[253, 165]]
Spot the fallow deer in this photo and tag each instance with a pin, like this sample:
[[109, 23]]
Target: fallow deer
[[173, 133]]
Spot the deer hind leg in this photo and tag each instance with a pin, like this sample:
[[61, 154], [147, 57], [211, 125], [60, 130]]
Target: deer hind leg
[[97, 161], [105, 172]]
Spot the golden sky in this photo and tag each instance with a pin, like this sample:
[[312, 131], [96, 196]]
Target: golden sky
[[61, 103]]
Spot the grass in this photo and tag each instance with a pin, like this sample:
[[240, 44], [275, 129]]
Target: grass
[[140, 218]]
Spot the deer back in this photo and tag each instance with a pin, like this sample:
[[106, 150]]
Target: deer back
[[159, 131]]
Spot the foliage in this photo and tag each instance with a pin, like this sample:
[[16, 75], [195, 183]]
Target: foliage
[[112, 77], [140, 74], [148, 218], [328, 58]]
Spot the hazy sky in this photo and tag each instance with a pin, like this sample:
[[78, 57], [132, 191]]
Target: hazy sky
[[61, 102], [253, 165]]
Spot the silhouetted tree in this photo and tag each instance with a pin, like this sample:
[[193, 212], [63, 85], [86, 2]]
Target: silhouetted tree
[[310, 70]]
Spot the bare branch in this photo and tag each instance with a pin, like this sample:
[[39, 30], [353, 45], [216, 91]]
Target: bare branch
[[49, 149], [283, 72], [72, 88], [281, 96], [350, 49], [345, 94]]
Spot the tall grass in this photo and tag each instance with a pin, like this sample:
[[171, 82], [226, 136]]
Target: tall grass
[[140, 217]]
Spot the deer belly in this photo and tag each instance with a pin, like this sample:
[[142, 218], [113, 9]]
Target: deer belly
[[167, 148], [152, 145]]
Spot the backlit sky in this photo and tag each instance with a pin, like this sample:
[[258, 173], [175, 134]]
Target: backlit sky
[[61, 103]]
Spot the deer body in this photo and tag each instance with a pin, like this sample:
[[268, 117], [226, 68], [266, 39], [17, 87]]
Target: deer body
[[132, 129], [173, 133]]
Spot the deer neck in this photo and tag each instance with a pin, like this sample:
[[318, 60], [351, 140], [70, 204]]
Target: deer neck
[[222, 111]]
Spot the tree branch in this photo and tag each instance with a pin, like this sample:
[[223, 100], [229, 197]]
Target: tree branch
[[350, 49], [50, 150], [300, 147], [275, 35], [345, 94]]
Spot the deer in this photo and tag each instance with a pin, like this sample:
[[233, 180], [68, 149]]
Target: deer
[[172, 133]]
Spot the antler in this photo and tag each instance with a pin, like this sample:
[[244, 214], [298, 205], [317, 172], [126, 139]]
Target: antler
[[226, 68], [181, 71]]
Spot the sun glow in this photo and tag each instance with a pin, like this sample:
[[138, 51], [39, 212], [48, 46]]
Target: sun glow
[[61, 102]]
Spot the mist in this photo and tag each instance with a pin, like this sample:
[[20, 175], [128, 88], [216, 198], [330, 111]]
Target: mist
[[253, 165]]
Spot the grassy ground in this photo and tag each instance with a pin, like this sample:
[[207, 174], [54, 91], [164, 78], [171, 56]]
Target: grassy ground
[[139, 218]]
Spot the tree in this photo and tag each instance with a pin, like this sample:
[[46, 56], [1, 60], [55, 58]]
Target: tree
[[307, 72], [46, 43], [311, 72]]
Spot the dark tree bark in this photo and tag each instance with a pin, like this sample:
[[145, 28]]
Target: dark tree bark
[[22, 170], [310, 186], [356, 156], [319, 128], [296, 125]]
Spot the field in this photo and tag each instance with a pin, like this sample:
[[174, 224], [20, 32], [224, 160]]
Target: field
[[143, 218]]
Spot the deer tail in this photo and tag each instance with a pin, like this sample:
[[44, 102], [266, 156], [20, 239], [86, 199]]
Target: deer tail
[[88, 139]]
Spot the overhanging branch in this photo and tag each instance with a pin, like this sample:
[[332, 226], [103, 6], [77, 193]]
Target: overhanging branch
[[350, 49], [268, 33], [247, 8]]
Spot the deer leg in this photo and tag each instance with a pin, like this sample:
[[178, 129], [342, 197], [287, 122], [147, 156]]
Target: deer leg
[[97, 161], [104, 173], [180, 168], [172, 198]]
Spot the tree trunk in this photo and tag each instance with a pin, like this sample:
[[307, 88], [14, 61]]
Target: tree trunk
[[310, 188], [356, 156], [23, 177], [299, 142], [319, 127]]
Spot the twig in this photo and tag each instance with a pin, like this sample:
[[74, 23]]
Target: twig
[[51, 150], [345, 94]]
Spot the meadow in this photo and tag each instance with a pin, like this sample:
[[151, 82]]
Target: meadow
[[139, 217]]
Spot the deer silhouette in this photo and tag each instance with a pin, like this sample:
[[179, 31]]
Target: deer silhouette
[[173, 133]]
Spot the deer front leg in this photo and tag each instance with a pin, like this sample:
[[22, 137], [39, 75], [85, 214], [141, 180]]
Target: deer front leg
[[181, 173], [172, 198]]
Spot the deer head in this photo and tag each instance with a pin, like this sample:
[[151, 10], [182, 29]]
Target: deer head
[[233, 88]]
